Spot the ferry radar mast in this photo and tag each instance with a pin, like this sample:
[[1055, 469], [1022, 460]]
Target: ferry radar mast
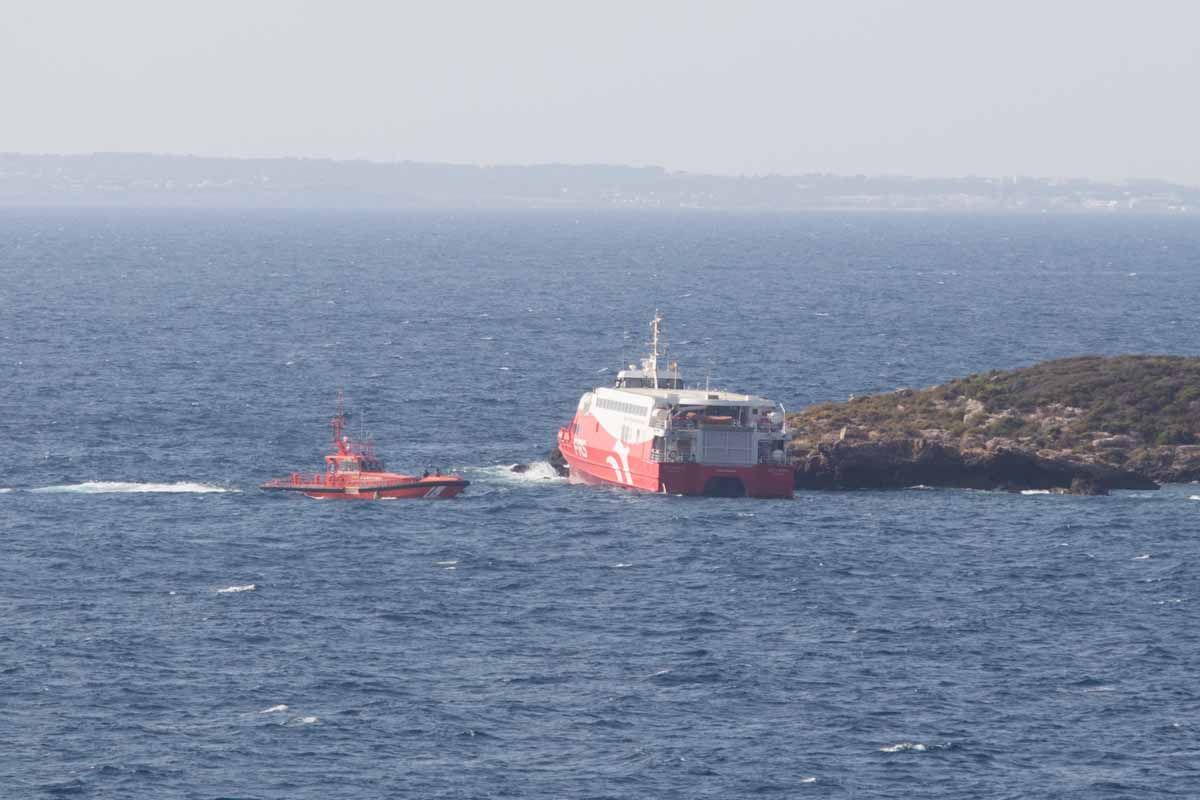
[[652, 361]]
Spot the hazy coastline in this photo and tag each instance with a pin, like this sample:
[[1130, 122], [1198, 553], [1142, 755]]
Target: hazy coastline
[[147, 180]]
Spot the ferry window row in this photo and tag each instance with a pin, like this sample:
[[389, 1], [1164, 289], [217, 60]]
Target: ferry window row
[[648, 383], [623, 408]]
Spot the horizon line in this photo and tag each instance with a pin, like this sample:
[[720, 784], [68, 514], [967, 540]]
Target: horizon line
[[600, 164]]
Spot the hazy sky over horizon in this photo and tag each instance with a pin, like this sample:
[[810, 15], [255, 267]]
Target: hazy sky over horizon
[[1071, 88]]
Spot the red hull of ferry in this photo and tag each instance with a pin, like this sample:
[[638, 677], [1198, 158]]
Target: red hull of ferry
[[597, 461]]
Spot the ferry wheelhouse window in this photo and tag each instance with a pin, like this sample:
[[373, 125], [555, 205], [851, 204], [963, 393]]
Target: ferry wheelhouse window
[[623, 408]]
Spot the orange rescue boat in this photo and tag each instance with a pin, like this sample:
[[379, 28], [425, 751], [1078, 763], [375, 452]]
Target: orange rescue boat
[[354, 472]]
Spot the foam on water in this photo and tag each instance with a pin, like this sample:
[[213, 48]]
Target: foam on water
[[538, 472], [124, 487], [904, 747], [249, 587], [1035, 491], [274, 709], [1194, 497]]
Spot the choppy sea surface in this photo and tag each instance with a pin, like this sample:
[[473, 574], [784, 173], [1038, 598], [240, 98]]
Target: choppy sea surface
[[167, 630]]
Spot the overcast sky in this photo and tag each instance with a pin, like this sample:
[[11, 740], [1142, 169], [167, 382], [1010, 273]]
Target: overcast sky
[[1004, 87]]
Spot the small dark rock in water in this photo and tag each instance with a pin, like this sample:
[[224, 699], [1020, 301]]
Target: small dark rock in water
[[555, 457]]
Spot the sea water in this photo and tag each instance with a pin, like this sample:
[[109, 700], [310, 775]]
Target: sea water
[[170, 631]]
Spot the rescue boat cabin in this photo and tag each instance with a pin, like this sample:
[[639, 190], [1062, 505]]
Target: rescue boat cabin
[[352, 463], [348, 457]]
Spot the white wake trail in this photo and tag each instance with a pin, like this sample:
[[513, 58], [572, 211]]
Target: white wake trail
[[124, 487]]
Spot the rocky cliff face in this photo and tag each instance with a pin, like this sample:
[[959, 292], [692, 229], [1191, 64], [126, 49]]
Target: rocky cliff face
[[900, 463], [1168, 464], [1087, 424]]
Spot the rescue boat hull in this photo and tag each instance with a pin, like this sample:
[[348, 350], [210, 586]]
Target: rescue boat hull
[[393, 488]]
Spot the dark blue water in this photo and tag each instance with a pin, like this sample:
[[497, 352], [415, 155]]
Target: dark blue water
[[533, 639]]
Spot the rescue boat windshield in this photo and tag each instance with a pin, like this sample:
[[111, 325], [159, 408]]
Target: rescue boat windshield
[[344, 464]]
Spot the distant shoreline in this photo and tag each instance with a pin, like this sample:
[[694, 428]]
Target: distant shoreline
[[153, 204], [116, 180]]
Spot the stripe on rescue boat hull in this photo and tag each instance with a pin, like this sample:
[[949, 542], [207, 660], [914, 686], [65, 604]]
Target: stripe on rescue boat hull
[[407, 490]]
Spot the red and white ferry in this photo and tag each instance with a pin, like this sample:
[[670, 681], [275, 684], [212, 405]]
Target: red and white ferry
[[649, 432], [354, 472]]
